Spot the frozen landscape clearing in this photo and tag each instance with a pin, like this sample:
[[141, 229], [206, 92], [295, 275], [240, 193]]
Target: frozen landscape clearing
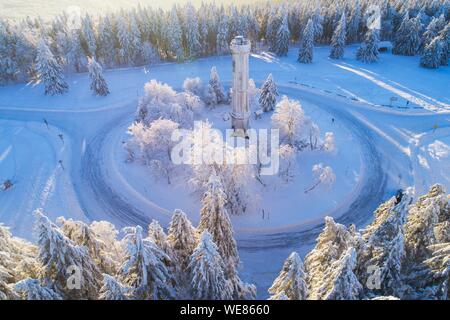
[[392, 147]]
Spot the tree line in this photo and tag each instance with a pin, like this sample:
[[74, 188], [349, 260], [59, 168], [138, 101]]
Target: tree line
[[145, 35]]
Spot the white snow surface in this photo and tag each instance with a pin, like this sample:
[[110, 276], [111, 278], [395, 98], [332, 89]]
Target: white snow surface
[[379, 149]]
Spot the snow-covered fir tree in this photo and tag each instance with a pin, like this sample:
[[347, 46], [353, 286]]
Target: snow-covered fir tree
[[385, 248], [281, 45], [407, 39], [49, 71], [425, 230], [98, 82], [214, 218], [83, 235], [338, 40], [192, 31], [292, 279], [444, 37], [222, 46], [207, 274], [8, 65], [112, 289], [61, 257], [182, 237], [216, 85], [145, 268], [344, 283], [433, 29], [305, 53], [32, 289], [158, 236], [174, 36], [330, 265], [268, 96], [88, 36], [317, 20], [368, 51], [432, 54], [439, 264], [354, 22]]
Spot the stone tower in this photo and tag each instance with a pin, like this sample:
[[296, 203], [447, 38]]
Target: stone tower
[[240, 114]]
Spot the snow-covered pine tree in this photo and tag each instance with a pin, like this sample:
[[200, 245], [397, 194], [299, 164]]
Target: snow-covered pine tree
[[144, 269], [206, 267], [338, 40], [385, 248], [439, 263], [192, 31], [268, 96], [31, 289], [292, 279], [159, 237], [83, 235], [407, 39], [368, 51], [49, 71], [426, 229], [67, 268], [354, 22], [281, 45], [317, 20], [305, 53], [182, 237], [344, 283], [444, 37], [112, 289], [124, 41], [88, 36], [98, 83], [432, 54], [105, 42], [330, 264], [8, 65], [214, 218], [174, 35], [222, 47], [425, 219], [216, 85], [433, 29]]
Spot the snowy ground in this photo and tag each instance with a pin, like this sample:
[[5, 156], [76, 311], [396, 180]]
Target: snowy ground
[[394, 147]]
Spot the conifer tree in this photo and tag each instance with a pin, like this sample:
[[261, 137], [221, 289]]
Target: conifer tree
[[98, 83], [214, 218], [145, 268], [338, 40], [368, 51], [432, 54], [281, 45], [206, 267], [305, 53], [216, 85], [292, 279], [112, 289], [49, 71], [61, 258], [182, 237], [268, 96]]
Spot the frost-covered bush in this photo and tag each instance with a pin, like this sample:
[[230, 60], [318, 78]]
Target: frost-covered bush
[[296, 129], [194, 85], [153, 145], [161, 101]]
